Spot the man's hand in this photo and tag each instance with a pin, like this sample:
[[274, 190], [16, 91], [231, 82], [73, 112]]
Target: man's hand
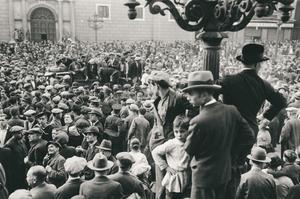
[[48, 169], [171, 171]]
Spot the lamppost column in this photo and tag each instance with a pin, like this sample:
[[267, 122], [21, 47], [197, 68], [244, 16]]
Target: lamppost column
[[11, 19], [73, 30], [60, 20], [96, 35], [212, 42]]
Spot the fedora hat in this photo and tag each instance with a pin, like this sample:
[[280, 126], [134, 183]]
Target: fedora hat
[[201, 79], [100, 163], [105, 145], [259, 154], [252, 53]]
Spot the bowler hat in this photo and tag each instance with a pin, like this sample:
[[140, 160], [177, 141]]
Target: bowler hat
[[201, 79], [105, 145], [259, 154], [100, 163], [252, 53]]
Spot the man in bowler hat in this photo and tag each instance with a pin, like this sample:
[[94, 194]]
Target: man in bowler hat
[[212, 145]]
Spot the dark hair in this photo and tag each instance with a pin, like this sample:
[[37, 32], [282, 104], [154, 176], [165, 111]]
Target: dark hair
[[14, 111], [290, 155], [13, 99], [142, 111], [182, 122], [163, 84], [275, 162]]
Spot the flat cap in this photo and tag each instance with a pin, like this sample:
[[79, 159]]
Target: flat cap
[[125, 157], [30, 112], [16, 129], [56, 99], [75, 165], [117, 107], [56, 110]]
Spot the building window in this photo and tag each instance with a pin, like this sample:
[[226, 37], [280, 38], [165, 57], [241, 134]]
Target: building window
[[140, 13], [103, 11]]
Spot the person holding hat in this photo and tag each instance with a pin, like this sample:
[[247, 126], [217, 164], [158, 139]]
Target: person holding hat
[[226, 140], [54, 164], [130, 184], [255, 183], [248, 91], [73, 167], [18, 150], [101, 186], [38, 148]]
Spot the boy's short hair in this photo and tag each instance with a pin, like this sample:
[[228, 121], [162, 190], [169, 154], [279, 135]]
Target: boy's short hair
[[182, 122]]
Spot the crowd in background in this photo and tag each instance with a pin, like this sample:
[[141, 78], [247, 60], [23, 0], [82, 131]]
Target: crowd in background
[[61, 133]]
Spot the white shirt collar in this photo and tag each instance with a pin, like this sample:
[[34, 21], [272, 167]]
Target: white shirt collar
[[212, 101]]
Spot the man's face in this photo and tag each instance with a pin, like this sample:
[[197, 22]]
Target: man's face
[[93, 117], [54, 134], [33, 137], [52, 149], [180, 134], [42, 120], [68, 119], [30, 178], [197, 98], [19, 135], [91, 137], [106, 153]]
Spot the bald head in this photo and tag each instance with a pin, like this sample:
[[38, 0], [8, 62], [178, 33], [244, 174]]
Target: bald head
[[36, 175]]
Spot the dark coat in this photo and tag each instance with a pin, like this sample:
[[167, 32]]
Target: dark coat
[[294, 192], [256, 184], [43, 191], [214, 145], [67, 151], [37, 153], [130, 184], [69, 189], [58, 175], [18, 153], [247, 91], [101, 188]]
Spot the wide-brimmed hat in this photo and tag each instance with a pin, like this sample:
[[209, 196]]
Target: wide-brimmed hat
[[201, 79], [259, 154], [252, 53], [100, 163], [105, 145]]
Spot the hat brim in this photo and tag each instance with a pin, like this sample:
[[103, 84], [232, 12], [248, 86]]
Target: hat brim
[[267, 160], [109, 165], [189, 88], [240, 58]]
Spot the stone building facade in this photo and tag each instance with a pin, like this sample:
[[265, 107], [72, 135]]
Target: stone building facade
[[54, 19]]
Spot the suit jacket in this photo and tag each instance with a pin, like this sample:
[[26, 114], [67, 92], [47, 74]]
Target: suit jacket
[[130, 184], [256, 184], [177, 105], [101, 187], [58, 175], [140, 129], [290, 135], [215, 145], [294, 192], [69, 189], [37, 153], [43, 191], [247, 91]]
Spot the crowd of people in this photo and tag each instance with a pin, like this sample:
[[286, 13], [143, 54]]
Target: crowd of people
[[136, 120]]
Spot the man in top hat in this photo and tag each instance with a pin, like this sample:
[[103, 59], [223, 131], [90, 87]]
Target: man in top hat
[[213, 145], [130, 183], [100, 187], [18, 150], [73, 167], [38, 148], [247, 91], [255, 183], [106, 149], [54, 164]]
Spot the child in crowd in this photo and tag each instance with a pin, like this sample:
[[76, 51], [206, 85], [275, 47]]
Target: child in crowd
[[138, 156], [172, 158]]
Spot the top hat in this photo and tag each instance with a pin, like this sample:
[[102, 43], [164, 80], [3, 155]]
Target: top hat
[[100, 163], [259, 154], [201, 79], [252, 53]]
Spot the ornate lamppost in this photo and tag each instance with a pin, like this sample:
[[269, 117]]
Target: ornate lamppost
[[96, 23], [213, 17]]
